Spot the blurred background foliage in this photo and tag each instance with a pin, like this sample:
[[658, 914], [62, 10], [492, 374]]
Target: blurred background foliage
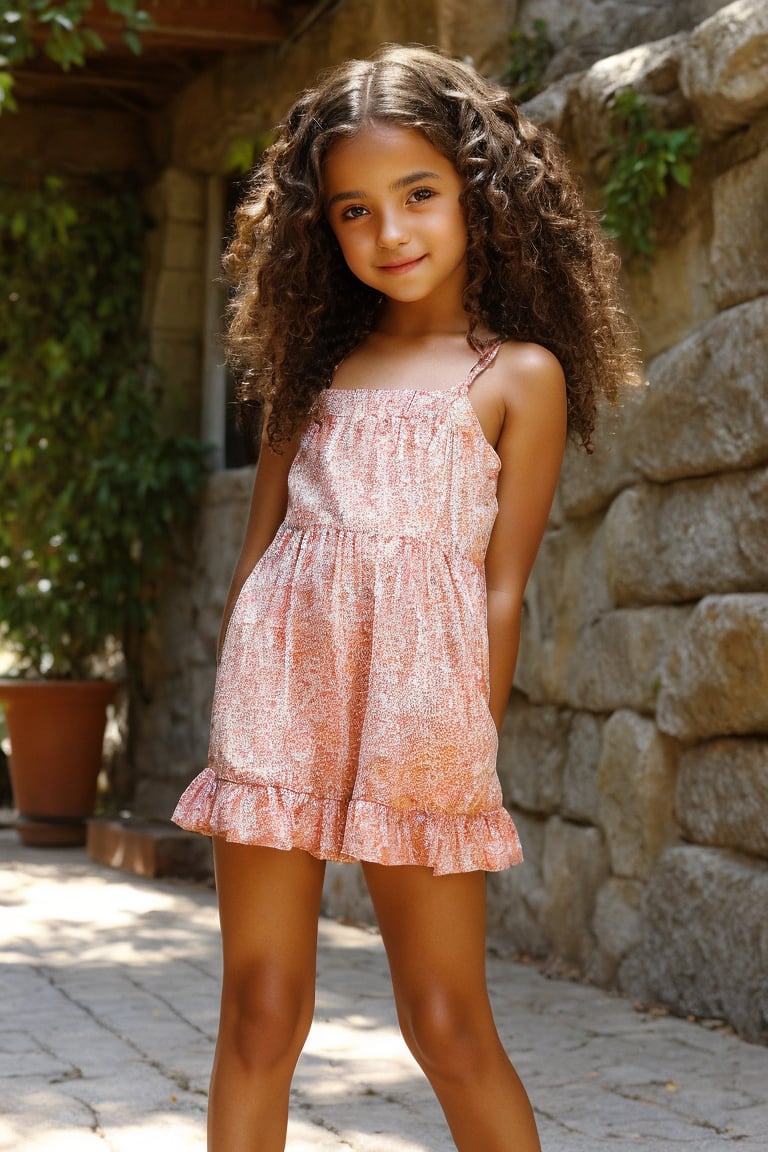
[[90, 488]]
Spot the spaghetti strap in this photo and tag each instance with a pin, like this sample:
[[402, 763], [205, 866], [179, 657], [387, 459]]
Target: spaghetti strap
[[485, 361]]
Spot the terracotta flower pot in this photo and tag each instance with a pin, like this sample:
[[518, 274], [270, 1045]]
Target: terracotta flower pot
[[56, 729]]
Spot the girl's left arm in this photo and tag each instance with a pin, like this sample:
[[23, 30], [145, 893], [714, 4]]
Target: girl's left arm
[[530, 446]]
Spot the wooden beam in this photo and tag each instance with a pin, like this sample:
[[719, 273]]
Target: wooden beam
[[223, 26], [88, 87]]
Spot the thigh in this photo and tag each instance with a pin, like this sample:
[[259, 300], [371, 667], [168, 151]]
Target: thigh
[[433, 929], [269, 905]]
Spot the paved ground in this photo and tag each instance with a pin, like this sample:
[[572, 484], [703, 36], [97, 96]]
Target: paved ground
[[109, 993]]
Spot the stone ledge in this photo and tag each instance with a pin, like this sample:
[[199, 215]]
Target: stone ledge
[[151, 848]]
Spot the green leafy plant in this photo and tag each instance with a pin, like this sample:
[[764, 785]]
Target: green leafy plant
[[245, 151], [90, 489], [530, 54], [646, 162], [60, 31]]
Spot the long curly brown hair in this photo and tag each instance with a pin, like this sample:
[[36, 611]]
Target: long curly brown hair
[[538, 266]]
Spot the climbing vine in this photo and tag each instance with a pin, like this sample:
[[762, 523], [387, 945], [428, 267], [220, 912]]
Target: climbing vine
[[89, 486], [530, 53], [646, 162]]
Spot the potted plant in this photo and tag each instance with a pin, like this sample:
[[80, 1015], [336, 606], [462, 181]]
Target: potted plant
[[90, 488]]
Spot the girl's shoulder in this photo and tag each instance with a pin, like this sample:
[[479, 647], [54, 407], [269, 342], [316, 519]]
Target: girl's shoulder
[[524, 358], [523, 392], [528, 373], [534, 407]]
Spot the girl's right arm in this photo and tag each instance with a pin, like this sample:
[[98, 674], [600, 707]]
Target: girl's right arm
[[268, 504]]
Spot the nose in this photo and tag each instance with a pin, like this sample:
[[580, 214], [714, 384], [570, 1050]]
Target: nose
[[393, 230]]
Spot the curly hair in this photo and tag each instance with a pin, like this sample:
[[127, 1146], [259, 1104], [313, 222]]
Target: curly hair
[[538, 266]]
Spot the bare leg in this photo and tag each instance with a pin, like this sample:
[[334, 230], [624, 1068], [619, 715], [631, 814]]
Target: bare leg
[[269, 903], [434, 934]]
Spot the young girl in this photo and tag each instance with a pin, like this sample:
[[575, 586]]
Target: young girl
[[424, 306]]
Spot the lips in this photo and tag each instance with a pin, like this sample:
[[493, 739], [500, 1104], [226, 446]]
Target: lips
[[399, 267]]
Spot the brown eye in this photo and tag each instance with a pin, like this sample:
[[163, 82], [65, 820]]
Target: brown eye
[[421, 194]]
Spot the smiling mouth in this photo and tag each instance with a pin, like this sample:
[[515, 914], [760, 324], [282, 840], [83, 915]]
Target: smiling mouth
[[401, 266]]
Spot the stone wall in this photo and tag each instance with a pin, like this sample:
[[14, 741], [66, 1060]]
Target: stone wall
[[172, 710], [592, 30], [634, 755]]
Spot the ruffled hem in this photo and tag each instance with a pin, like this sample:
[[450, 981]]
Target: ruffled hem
[[332, 829]]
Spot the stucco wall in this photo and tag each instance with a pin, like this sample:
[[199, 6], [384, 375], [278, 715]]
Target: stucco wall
[[634, 755]]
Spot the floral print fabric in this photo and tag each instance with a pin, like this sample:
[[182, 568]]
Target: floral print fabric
[[350, 715]]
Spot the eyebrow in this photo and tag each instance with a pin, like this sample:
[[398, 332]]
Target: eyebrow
[[395, 186]]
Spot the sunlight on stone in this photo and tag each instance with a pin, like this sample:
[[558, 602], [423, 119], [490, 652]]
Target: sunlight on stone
[[128, 918], [304, 1137], [181, 1133], [380, 1066]]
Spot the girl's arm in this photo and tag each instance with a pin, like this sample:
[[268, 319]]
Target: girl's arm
[[268, 505], [530, 446]]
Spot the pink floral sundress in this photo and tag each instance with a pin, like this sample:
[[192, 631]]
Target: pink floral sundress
[[350, 715]]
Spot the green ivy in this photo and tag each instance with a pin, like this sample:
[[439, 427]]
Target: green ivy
[[60, 30], [646, 162], [530, 54], [245, 151], [90, 489]]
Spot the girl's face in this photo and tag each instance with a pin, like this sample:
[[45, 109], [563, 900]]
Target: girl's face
[[392, 201]]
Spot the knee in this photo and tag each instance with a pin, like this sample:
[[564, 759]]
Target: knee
[[266, 1018], [450, 1039]]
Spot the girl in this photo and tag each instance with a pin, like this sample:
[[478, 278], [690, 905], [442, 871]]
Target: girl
[[424, 306]]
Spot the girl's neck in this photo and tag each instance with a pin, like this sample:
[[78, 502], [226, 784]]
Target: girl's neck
[[418, 322]]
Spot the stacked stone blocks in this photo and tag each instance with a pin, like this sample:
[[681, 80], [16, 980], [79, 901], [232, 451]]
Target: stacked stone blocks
[[642, 688]]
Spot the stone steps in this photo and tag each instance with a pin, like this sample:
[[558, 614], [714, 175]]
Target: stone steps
[[154, 848]]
